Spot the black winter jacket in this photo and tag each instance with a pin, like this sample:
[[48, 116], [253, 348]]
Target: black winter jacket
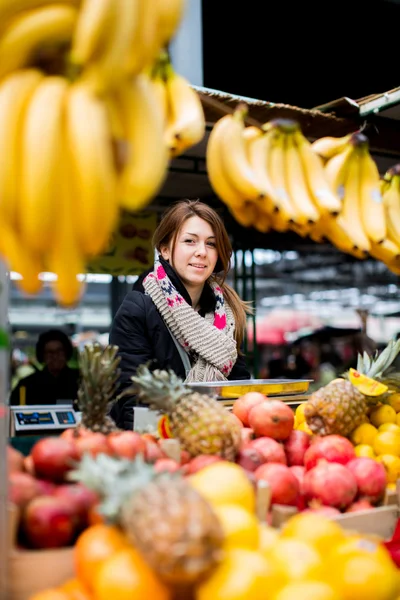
[[141, 335]]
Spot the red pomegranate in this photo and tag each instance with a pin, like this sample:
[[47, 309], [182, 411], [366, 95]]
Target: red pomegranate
[[166, 464], [199, 462], [79, 497], [274, 419], [327, 511], [284, 484], [271, 451], [244, 404], [250, 458], [331, 448], [296, 446], [22, 488], [331, 484], [153, 452], [93, 444], [246, 435], [126, 444], [299, 472], [370, 477], [359, 505], [49, 522], [53, 457]]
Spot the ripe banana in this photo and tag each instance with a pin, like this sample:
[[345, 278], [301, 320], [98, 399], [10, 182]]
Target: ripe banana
[[11, 8], [391, 199], [160, 92], [276, 169], [91, 168], [30, 31], [387, 251], [215, 168], [296, 185], [336, 170], [109, 69], [372, 207], [328, 146], [170, 13], [186, 122], [21, 260], [15, 93], [146, 43], [323, 196], [246, 214], [39, 156], [351, 210], [146, 168], [93, 30], [257, 148]]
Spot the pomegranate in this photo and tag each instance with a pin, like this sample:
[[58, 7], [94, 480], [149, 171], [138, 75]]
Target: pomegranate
[[299, 472], [331, 484], [28, 465], [46, 488], [271, 451], [370, 477], [249, 458], [53, 457], [22, 488], [153, 452], [284, 485], [331, 448], [273, 419], [94, 444], [126, 444], [185, 457], [247, 434], [327, 511], [237, 420], [296, 446], [166, 464], [244, 404], [15, 460], [80, 498], [48, 522], [199, 462], [359, 505]]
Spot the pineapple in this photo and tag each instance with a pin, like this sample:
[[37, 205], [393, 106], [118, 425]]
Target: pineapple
[[339, 407], [99, 374], [202, 425], [168, 521]]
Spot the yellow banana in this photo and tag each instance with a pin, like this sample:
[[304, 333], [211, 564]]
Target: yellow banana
[[323, 196], [109, 69], [262, 221], [296, 185], [21, 260], [15, 94], [40, 154], [146, 168], [146, 42], [186, 122], [250, 134], [257, 148], [11, 8], [30, 31], [276, 168], [91, 171], [246, 214], [169, 14], [328, 146], [93, 30], [372, 209], [387, 251], [160, 92], [336, 230], [391, 199], [336, 170], [351, 211], [215, 169]]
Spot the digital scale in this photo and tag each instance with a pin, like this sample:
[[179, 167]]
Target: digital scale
[[25, 420]]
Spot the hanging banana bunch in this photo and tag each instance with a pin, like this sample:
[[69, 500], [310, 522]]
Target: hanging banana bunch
[[75, 85]]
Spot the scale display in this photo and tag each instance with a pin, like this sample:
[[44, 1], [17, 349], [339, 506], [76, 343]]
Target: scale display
[[34, 418], [41, 418]]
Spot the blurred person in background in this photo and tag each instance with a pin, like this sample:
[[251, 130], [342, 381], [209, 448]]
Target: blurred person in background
[[56, 380]]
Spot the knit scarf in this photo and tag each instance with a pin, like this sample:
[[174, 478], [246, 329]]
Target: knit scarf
[[210, 340]]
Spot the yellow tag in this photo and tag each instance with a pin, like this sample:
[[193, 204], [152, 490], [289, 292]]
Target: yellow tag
[[366, 385], [164, 429]]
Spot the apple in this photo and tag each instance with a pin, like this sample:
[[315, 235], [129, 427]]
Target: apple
[[53, 457], [126, 444], [273, 419], [49, 522]]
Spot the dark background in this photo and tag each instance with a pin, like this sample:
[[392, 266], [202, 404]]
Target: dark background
[[302, 53]]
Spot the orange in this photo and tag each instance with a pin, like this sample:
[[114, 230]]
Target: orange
[[125, 576], [93, 547], [298, 560], [316, 530], [240, 527], [224, 483], [76, 590], [387, 442], [51, 594]]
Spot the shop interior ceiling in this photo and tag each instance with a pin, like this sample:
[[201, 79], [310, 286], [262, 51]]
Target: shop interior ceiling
[[296, 265]]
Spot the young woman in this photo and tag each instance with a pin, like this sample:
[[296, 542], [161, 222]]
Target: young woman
[[188, 319]]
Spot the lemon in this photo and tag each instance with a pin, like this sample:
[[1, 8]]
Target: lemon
[[305, 427], [387, 442], [392, 466], [307, 590], [398, 419], [394, 402], [298, 560], [315, 529], [299, 413], [383, 414], [224, 483], [240, 527], [241, 574], [364, 450], [389, 427], [364, 434], [267, 536], [392, 487]]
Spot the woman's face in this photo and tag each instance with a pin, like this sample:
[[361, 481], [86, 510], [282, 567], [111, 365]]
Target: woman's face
[[195, 253]]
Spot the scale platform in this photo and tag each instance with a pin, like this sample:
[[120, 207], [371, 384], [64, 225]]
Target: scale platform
[[36, 419]]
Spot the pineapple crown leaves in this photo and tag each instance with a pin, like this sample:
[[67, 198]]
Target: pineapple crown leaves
[[115, 480], [380, 363], [99, 372]]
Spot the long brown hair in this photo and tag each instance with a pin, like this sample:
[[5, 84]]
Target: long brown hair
[[167, 231]]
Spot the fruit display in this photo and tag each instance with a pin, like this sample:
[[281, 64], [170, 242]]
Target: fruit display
[[76, 81], [272, 177]]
